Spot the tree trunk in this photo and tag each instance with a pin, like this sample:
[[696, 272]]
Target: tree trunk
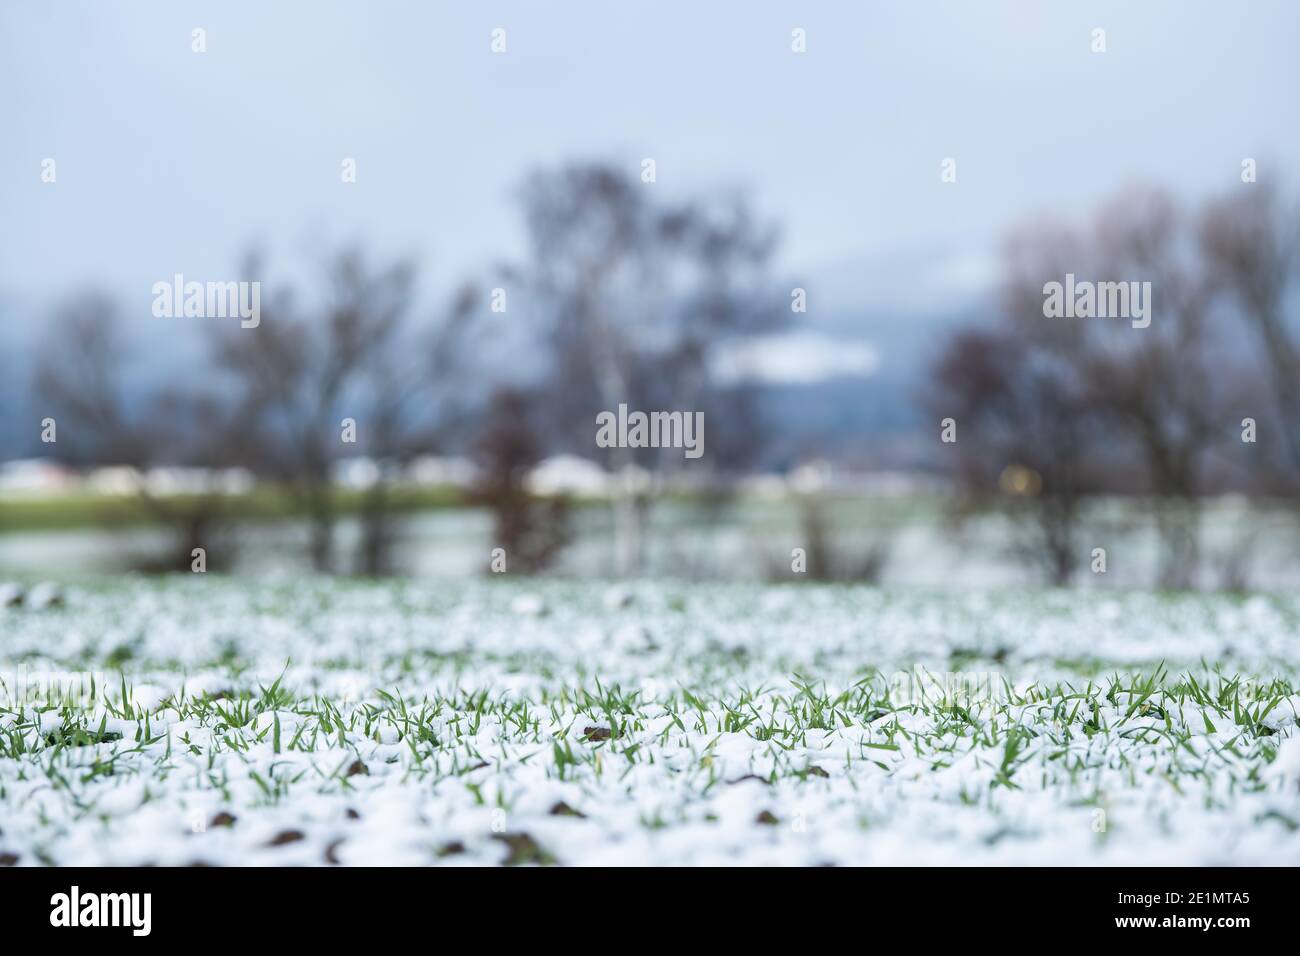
[[322, 530], [373, 559], [1178, 521], [628, 543]]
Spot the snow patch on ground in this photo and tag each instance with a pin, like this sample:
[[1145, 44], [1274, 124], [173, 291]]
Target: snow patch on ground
[[487, 723]]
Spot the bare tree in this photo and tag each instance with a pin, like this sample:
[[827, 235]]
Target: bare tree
[[1159, 383], [410, 394], [1027, 437], [1251, 241], [295, 373], [531, 531], [1155, 386], [636, 295], [80, 380]]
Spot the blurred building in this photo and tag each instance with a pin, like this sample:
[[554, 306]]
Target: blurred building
[[35, 476], [570, 475], [436, 471]]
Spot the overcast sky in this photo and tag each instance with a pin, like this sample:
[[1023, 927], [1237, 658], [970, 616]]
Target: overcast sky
[[172, 161]]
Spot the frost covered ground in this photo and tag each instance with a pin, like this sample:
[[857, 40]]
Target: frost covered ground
[[493, 722]]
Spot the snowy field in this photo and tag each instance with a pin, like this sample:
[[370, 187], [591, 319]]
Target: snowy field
[[494, 722]]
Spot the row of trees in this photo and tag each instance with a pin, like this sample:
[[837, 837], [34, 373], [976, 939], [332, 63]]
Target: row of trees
[[623, 297], [1054, 411]]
